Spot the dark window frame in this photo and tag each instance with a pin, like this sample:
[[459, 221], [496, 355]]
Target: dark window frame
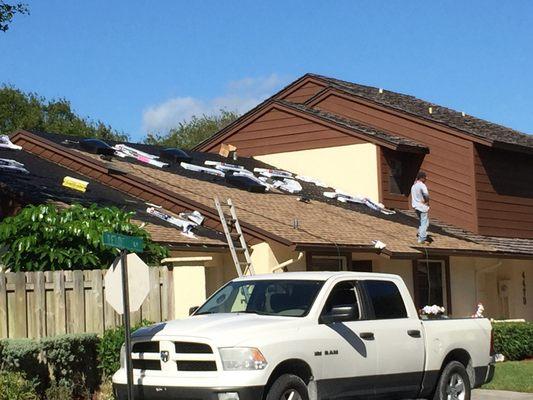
[[446, 282], [310, 254]]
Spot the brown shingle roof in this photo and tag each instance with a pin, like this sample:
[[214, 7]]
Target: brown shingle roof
[[319, 223], [466, 123]]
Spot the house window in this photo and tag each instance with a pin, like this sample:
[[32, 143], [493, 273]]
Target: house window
[[328, 262], [430, 283], [396, 176], [401, 171], [362, 265]]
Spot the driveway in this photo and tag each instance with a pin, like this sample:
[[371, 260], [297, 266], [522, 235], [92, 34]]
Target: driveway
[[482, 394]]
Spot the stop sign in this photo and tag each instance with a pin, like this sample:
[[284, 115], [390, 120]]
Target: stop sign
[[138, 281]]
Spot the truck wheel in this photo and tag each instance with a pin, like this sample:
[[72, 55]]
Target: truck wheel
[[288, 387], [454, 383]]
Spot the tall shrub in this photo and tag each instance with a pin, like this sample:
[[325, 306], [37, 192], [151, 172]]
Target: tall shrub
[[45, 237], [513, 339]]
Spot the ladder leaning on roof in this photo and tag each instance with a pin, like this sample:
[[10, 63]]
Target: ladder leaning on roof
[[232, 237]]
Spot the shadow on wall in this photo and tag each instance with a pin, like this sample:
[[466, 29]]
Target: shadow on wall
[[508, 172]]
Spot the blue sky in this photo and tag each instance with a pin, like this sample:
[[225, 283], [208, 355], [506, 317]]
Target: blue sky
[[145, 65]]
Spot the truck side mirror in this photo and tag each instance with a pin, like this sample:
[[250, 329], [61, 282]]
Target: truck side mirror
[[193, 309], [341, 313]]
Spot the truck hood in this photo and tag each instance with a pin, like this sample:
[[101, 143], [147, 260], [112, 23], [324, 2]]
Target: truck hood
[[224, 329]]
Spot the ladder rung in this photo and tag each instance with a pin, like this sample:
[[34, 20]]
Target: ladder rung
[[244, 263], [240, 249]]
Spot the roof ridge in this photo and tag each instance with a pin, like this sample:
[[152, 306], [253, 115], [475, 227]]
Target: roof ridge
[[418, 107]]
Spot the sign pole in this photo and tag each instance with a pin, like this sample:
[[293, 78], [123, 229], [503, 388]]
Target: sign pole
[[126, 300]]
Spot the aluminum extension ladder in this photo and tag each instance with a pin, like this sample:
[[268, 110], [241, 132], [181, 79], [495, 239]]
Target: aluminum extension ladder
[[233, 233]]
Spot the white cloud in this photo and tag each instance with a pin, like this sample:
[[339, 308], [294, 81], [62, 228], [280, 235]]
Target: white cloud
[[241, 96]]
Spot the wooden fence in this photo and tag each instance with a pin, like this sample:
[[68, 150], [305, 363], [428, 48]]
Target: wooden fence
[[39, 304]]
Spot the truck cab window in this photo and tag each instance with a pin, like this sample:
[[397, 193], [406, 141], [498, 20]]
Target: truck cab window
[[342, 294], [385, 299]]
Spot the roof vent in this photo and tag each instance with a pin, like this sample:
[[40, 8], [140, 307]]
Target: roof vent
[[463, 114], [380, 90], [97, 146], [245, 182], [175, 155], [430, 110]]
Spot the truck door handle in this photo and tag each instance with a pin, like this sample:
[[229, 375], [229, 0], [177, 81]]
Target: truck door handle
[[414, 333], [367, 335]]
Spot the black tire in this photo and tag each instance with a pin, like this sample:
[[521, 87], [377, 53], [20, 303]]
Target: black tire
[[284, 385], [453, 382]]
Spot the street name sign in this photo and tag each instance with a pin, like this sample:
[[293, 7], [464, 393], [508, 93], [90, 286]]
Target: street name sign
[[123, 242]]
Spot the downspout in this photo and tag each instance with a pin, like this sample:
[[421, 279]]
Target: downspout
[[283, 266]]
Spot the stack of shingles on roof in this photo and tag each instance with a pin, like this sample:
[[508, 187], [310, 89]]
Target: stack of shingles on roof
[[319, 223], [43, 184], [472, 125]]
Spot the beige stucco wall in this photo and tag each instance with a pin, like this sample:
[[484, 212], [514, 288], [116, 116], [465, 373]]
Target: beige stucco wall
[[352, 168], [475, 280]]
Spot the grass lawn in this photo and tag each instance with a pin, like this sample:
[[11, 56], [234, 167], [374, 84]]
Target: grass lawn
[[513, 375]]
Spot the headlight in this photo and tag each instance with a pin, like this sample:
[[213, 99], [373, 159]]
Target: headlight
[[242, 359]]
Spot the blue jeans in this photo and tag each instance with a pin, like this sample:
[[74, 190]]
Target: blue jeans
[[423, 228]]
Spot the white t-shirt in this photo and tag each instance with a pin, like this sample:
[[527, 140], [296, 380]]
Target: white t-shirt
[[418, 191]]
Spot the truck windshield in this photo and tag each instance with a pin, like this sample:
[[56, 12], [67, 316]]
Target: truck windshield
[[291, 298]]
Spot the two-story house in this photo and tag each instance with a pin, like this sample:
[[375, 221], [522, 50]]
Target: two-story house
[[371, 141]]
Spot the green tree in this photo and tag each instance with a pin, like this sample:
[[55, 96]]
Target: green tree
[[189, 134], [8, 12], [19, 110], [45, 237]]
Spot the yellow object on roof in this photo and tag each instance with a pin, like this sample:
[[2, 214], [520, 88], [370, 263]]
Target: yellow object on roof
[[76, 184]]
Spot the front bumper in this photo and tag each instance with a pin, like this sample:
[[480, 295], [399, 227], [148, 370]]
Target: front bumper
[[145, 392]]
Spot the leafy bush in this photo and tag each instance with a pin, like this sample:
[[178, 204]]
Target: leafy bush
[[23, 355], [15, 386], [109, 348], [73, 362], [59, 391], [47, 238], [514, 339], [105, 392]]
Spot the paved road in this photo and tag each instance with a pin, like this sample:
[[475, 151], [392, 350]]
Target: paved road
[[481, 394]]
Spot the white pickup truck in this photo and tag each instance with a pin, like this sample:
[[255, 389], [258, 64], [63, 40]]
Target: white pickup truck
[[309, 335]]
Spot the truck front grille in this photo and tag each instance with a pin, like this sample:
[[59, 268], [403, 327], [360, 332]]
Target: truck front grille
[[173, 356], [145, 347], [197, 366], [153, 365], [191, 348]]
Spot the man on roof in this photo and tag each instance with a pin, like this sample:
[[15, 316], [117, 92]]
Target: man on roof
[[420, 203]]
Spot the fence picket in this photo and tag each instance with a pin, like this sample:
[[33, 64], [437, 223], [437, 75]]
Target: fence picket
[[39, 301], [3, 306], [21, 316], [60, 312]]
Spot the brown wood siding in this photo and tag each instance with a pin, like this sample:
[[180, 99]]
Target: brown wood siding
[[449, 164], [278, 131], [304, 92], [504, 183]]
